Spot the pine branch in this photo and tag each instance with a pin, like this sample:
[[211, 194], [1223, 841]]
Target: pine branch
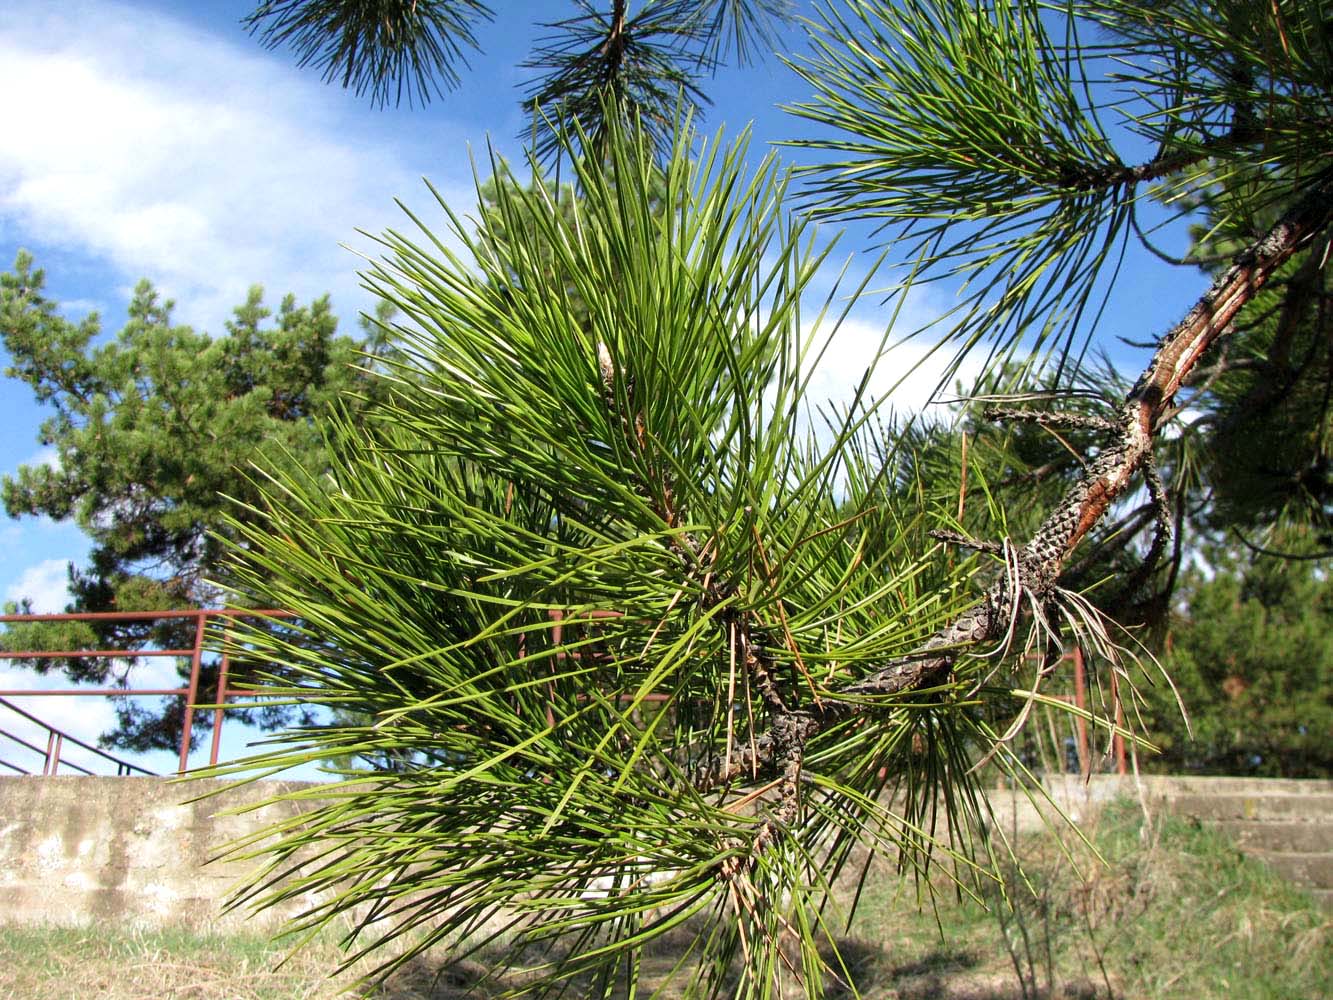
[[737, 626], [389, 49], [1085, 177], [1040, 562], [1046, 418], [965, 541]]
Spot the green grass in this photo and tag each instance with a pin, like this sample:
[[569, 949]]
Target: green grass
[[55, 963], [1176, 912]]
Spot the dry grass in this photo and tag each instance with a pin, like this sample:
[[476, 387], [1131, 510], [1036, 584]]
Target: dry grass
[[1175, 914], [60, 963]]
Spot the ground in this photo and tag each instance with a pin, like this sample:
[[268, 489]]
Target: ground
[[1174, 912]]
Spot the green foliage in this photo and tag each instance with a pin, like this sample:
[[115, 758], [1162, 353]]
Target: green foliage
[[1007, 168], [649, 649], [1252, 658], [987, 137], [636, 63], [523, 226], [632, 62], [389, 49], [545, 572], [150, 430], [614, 58]]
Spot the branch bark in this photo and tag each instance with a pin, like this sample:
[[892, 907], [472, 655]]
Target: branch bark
[[1039, 563]]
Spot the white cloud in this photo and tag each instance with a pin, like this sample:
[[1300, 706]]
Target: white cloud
[[82, 718], [76, 308], [191, 159], [157, 672], [44, 456], [908, 373], [29, 540], [44, 583]]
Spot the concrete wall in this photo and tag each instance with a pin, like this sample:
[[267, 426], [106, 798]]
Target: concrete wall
[[1286, 824], [78, 850], [1210, 800]]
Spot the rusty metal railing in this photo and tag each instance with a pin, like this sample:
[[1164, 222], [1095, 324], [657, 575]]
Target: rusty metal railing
[[190, 692], [224, 692], [55, 745]]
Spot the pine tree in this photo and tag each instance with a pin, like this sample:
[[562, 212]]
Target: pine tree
[[1250, 656], [152, 432], [656, 648], [653, 646]]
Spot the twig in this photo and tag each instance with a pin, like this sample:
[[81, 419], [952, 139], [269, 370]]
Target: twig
[[1062, 419], [965, 541]]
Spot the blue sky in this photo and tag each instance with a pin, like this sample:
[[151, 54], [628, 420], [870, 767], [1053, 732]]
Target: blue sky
[[160, 140]]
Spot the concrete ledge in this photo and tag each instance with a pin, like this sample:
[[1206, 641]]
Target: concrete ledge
[[77, 850], [1297, 836], [1207, 799], [1306, 869], [1252, 807]]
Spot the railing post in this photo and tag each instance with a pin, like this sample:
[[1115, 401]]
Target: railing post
[[192, 695], [52, 753], [1081, 700], [1118, 741], [557, 637], [220, 711], [54, 749]]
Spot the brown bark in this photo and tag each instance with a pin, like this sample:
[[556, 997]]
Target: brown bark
[[1038, 564]]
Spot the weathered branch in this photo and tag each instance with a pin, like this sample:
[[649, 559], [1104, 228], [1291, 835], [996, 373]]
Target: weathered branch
[[1040, 562], [1058, 419], [965, 541]]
